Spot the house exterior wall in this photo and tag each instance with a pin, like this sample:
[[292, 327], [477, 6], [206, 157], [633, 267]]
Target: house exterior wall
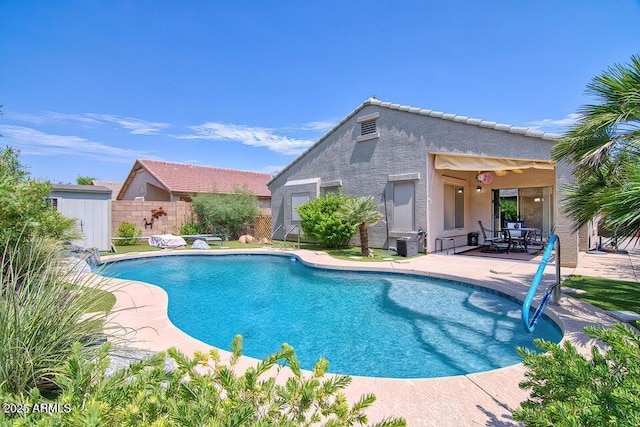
[[405, 148], [569, 240], [92, 212], [264, 203], [478, 206], [146, 185], [155, 193]]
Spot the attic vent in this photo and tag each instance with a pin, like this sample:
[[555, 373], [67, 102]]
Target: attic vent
[[368, 127]]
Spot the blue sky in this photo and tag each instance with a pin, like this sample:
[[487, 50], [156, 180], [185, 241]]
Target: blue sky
[[88, 86]]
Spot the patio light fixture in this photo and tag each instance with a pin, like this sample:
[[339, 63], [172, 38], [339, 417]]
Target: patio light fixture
[[478, 189]]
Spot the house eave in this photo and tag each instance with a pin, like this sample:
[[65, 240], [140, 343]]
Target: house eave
[[528, 132]]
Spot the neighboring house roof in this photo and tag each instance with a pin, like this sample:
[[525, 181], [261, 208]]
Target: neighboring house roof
[[115, 186], [431, 113], [190, 179], [79, 188]]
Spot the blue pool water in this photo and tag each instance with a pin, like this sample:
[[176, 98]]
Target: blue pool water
[[370, 324]]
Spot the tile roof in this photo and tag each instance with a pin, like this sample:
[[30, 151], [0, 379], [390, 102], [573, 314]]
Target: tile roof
[[185, 178], [431, 113], [115, 186]]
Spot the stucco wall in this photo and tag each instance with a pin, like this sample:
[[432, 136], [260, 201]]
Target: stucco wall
[[404, 145], [139, 188]]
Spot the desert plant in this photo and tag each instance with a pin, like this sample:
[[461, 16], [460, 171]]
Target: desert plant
[[190, 228], [43, 311], [228, 214], [320, 221], [128, 234], [200, 391], [568, 389], [363, 212]]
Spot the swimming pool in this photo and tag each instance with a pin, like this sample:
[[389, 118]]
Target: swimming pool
[[369, 324]]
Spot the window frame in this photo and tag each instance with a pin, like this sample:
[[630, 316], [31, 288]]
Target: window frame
[[453, 216], [396, 210], [295, 216]]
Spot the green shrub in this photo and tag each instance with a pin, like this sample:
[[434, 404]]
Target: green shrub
[[568, 389], [190, 228], [320, 221], [128, 234], [42, 315], [24, 211], [147, 394], [228, 214]]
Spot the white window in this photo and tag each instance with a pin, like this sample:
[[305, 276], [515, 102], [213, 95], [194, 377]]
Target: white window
[[52, 201], [453, 207], [403, 206], [297, 199]]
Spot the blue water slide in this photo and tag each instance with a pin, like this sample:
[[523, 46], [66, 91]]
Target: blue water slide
[[530, 323]]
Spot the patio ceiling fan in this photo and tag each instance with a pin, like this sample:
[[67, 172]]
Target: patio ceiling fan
[[506, 171]]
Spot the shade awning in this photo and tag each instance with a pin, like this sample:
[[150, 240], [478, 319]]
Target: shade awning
[[469, 163]]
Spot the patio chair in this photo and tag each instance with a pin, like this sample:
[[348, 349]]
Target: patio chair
[[538, 239], [517, 237], [500, 243]]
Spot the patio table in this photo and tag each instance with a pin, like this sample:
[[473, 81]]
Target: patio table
[[523, 240]]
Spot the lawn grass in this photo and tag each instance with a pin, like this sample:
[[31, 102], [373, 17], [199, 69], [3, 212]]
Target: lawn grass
[[350, 253], [145, 247], [101, 300], [607, 294], [104, 301], [353, 253]]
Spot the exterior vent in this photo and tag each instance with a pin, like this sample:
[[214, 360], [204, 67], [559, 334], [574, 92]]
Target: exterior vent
[[368, 127]]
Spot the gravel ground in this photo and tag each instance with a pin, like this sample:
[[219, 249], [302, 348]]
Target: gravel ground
[[122, 357]]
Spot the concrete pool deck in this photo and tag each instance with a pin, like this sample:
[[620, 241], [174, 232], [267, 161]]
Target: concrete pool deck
[[485, 398]]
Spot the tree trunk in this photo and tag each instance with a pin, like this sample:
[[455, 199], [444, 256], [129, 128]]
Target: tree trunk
[[364, 239]]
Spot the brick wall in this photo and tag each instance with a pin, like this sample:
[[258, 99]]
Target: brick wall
[[135, 211]]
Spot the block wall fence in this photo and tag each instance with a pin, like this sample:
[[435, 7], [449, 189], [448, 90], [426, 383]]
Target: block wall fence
[[135, 211], [178, 213]]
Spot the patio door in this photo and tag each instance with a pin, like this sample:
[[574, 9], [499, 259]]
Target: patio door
[[533, 205], [535, 208], [505, 206]]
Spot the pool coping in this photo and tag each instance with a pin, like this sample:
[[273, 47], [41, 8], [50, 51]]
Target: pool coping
[[485, 397]]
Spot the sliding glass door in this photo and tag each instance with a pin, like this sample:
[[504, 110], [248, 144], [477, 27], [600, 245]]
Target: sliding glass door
[[533, 205]]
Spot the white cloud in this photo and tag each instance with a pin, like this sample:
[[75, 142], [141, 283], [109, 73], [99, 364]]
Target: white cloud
[[34, 142], [555, 125], [250, 135], [272, 169], [322, 126], [133, 125]]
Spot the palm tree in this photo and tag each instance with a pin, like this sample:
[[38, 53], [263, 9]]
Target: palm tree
[[361, 211], [604, 147]]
